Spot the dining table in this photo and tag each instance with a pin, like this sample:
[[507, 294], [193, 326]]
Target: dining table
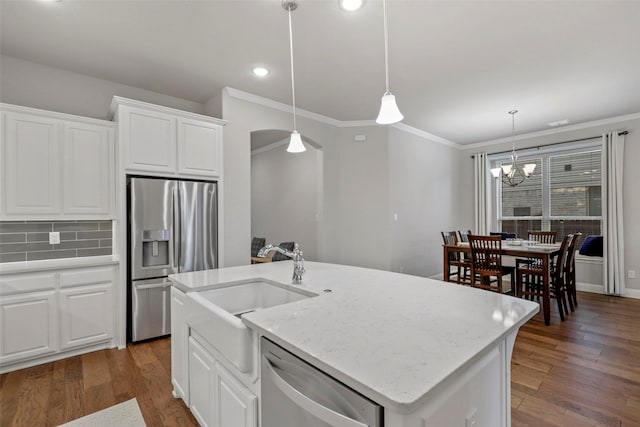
[[522, 249]]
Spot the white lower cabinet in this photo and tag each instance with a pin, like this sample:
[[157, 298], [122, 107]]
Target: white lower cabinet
[[45, 315], [29, 326], [217, 398], [179, 345], [86, 306], [236, 405]]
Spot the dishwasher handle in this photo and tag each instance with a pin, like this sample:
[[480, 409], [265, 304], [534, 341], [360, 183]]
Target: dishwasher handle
[[303, 401]]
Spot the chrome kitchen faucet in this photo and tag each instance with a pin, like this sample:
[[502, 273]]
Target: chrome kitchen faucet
[[295, 255]]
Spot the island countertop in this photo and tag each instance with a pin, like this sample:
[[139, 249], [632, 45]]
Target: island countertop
[[392, 337]]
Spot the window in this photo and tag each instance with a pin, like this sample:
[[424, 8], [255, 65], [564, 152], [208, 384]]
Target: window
[[563, 195]]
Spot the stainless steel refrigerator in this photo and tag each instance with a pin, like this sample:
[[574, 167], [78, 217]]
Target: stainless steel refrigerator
[[173, 228]]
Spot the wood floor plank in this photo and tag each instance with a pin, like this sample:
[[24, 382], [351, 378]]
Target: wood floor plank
[[584, 371], [95, 371]]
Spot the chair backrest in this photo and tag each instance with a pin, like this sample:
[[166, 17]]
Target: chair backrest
[[449, 237], [257, 243], [288, 246], [558, 263], [463, 235], [542, 236], [570, 262], [486, 254]]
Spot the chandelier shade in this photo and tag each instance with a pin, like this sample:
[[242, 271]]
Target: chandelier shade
[[513, 174]]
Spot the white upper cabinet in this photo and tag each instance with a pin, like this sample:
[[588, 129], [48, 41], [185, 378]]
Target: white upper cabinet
[[88, 172], [200, 148], [31, 163], [55, 166], [164, 141]]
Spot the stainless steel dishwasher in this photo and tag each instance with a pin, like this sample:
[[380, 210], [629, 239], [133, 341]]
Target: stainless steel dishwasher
[[296, 394]]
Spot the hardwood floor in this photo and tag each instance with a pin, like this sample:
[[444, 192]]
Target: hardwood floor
[[581, 372], [58, 392], [584, 371]]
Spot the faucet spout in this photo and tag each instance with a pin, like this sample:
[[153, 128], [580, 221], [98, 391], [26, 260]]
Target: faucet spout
[[295, 255]]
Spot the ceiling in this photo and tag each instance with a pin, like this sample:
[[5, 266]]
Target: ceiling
[[456, 67]]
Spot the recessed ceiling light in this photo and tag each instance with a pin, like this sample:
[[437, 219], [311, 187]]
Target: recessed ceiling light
[[260, 71], [350, 5], [559, 123]]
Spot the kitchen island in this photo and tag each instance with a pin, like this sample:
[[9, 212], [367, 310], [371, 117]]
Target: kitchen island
[[428, 352]]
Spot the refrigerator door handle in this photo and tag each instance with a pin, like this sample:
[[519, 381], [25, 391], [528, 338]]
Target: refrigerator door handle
[[176, 227], [153, 286], [305, 402]]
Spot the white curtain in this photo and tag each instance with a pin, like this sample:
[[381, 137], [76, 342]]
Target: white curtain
[[480, 194], [612, 166]]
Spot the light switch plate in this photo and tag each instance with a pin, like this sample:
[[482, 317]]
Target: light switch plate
[[54, 238]]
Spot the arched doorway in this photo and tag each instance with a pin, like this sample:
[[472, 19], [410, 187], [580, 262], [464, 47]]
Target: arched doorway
[[286, 191]]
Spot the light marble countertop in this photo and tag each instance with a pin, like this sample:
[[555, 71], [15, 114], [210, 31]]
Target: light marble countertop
[[392, 337], [56, 264]]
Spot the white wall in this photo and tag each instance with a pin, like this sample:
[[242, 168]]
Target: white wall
[[243, 118], [33, 85], [589, 274], [362, 215], [284, 202], [424, 193]]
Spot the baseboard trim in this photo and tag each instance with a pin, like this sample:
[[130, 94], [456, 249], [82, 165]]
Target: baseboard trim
[[599, 289]]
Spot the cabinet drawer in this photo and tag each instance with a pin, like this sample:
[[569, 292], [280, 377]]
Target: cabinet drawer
[[86, 276], [21, 283]]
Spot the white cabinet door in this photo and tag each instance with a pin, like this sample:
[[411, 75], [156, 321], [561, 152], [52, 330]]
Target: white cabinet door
[[28, 326], [179, 346], [201, 383], [86, 306], [31, 162], [199, 148], [88, 169], [86, 315], [236, 405], [149, 138]]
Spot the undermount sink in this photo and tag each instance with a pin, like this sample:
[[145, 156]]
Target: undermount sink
[[215, 315]]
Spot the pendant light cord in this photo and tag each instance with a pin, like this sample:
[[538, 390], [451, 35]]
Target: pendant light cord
[[386, 45], [293, 85]]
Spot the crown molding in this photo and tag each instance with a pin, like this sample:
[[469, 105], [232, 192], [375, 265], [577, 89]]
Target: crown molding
[[256, 99], [246, 96], [564, 129], [426, 135]]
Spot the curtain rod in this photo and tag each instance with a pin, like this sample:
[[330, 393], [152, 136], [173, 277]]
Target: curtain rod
[[537, 147]]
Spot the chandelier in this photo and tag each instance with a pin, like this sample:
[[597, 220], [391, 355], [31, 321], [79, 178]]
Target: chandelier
[[513, 174]]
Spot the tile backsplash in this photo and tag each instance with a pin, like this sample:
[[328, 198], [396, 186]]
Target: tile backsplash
[[29, 240]]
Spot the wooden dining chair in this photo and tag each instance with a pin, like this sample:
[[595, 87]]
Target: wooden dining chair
[[487, 270], [570, 272], [456, 260], [529, 279]]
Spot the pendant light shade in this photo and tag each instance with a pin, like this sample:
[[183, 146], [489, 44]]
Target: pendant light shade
[[295, 143], [389, 111]]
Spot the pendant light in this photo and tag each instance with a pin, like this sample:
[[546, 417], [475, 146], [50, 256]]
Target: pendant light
[[512, 174], [389, 112], [295, 143]]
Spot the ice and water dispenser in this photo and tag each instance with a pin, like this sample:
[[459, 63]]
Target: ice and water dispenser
[[155, 248]]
